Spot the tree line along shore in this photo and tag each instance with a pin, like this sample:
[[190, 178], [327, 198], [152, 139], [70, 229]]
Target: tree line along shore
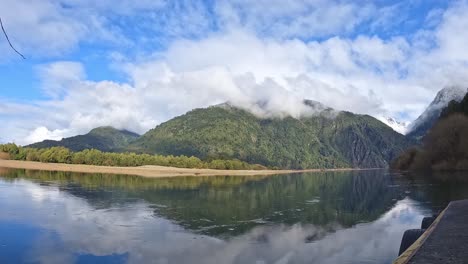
[[444, 147], [99, 158], [95, 161]]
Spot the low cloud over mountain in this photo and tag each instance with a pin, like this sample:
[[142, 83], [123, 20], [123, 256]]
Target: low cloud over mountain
[[142, 82]]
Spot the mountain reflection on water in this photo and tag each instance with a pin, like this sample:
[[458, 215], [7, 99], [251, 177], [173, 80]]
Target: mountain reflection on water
[[330, 217]]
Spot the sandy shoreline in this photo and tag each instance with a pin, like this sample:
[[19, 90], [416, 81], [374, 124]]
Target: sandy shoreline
[[145, 171]]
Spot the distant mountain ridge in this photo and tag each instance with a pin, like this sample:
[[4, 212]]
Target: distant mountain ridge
[[104, 138], [419, 128], [444, 147], [326, 139], [321, 138]]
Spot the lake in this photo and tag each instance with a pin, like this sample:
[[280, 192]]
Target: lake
[[329, 217]]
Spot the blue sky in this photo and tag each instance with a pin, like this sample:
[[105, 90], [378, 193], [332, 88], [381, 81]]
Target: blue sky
[[166, 57], [404, 19]]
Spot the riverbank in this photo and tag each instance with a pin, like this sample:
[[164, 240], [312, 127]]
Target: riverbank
[[147, 171]]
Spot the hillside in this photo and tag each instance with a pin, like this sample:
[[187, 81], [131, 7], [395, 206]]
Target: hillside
[[445, 147], [323, 140], [101, 138], [419, 128], [460, 107]]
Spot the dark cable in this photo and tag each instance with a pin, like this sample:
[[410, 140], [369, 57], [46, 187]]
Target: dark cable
[[6, 36]]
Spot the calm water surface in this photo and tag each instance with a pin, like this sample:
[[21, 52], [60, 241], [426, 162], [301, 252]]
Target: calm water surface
[[339, 217]]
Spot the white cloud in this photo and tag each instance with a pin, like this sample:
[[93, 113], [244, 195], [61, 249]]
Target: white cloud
[[365, 74], [39, 27], [41, 132], [296, 18], [60, 76], [44, 28]]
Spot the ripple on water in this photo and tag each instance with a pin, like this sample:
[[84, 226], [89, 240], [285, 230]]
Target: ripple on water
[[313, 201]]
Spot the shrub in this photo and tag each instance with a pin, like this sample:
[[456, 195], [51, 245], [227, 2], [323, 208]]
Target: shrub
[[96, 157], [445, 147]]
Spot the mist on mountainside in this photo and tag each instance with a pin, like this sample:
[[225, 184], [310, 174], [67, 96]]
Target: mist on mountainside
[[445, 146]]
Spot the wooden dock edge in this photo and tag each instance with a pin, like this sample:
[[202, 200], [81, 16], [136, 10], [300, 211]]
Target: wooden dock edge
[[406, 256]]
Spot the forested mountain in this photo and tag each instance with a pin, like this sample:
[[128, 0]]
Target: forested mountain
[[419, 128], [325, 139], [102, 138], [445, 146]]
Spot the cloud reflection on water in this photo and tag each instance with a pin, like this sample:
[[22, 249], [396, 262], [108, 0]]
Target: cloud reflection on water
[[72, 227]]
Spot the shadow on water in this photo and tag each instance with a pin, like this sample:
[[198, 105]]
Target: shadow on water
[[331, 210], [437, 188]]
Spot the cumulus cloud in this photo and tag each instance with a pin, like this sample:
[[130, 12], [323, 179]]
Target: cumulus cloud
[[297, 18], [54, 28], [58, 77], [48, 28], [42, 132], [394, 76], [44, 28]]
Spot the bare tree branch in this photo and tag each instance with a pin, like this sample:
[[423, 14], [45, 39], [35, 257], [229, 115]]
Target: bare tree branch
[[8, 39]]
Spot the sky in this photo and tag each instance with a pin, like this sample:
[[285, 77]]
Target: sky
[[134, 64]]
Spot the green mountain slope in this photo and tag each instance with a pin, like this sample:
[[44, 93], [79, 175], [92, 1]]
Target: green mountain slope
[[101, 138], [327, 140]]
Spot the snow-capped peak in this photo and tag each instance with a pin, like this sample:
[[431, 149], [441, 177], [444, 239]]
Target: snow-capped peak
[[400, 127], [448, 94], [442, 99]]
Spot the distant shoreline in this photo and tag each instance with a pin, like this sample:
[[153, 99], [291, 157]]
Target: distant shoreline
[[149, 171]]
